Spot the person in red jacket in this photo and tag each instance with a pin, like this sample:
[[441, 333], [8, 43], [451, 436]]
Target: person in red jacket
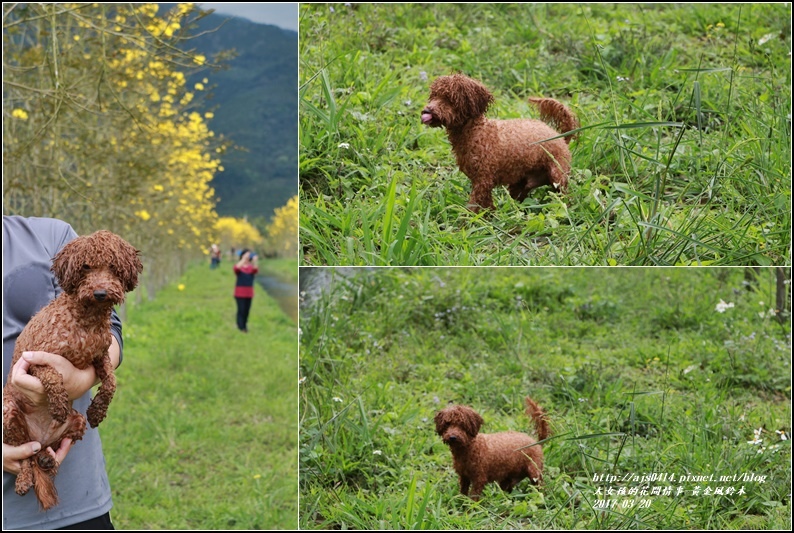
[[245, 269]]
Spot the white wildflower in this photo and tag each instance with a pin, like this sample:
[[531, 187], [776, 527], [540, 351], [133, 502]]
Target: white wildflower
[[766, 38], [757, 440], [722, 306]]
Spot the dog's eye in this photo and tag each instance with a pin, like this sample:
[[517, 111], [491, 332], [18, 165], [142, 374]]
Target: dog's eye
[[86, 267]]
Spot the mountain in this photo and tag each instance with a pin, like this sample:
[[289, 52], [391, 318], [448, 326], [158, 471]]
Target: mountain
[[255, 105]]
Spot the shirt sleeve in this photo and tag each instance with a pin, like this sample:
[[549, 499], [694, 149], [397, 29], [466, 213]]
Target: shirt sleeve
[[115, 330]]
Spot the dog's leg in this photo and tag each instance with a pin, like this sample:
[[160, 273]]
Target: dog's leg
[[98, 409], [481, 195], [465, 483], [25, 477], [518, 190], [535, 471], [476, 489], [508, 484], [52, 381], [559, 177], [535, 180], [76, 428], [557, 171], [15, 433], [15, 429]]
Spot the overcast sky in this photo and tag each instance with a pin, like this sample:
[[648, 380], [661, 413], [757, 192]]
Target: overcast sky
[[281, 15]]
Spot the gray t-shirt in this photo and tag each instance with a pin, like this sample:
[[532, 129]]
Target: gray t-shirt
[[29, 245]]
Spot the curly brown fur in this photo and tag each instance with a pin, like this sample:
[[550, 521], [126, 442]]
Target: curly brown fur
[[515, 153], [95, 272], [479, 458]]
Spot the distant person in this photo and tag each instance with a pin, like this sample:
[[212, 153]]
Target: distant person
[[215, 256], [245, 269]]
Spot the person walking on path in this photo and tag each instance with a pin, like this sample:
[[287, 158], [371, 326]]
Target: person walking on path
[[245, 269], [215, 256]]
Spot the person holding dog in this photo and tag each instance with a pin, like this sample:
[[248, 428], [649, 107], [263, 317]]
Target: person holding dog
[[82, 481]]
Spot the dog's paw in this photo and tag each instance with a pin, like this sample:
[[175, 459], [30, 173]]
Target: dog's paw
[[95, 415], [25, 477], [47, 462]]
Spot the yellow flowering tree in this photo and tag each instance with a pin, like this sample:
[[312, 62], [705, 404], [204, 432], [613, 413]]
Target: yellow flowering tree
[[100, 127], [237, 233], [283, 229]]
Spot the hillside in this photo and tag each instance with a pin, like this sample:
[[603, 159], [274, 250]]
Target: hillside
[[255, 105]]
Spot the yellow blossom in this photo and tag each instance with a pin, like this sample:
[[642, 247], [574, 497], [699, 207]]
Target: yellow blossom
[[20, 114], [185, 8]]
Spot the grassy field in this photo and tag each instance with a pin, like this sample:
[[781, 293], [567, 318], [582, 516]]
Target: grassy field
[[642, 371], [202, 433], [684, 158], [283, 269]]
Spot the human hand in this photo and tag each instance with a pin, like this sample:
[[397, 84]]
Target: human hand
[[13, 455], [76, 382]]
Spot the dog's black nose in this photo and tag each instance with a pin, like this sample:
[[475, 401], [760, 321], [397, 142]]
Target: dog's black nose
[[100, 296], [452, 438]]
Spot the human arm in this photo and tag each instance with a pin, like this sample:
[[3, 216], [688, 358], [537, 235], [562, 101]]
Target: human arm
[[244, 260], [76, 381]]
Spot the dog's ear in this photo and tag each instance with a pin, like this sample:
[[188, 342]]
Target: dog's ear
[[129, 265], [441, 423], [67, 265], [472, 97], [471, 421]]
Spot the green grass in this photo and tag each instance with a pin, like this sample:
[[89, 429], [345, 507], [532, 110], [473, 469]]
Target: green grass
[[283, 269], [202, 433], [684, 158], [637, 369]]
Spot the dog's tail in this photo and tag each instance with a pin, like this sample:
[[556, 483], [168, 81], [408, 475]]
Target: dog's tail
[[45, 468], [538, 416], [557, 115]]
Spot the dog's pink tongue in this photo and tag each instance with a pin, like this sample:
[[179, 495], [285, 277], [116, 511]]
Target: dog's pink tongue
[[426, 118]]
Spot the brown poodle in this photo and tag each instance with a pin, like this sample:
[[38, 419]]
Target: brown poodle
[[95, 272], [480, 458], [516, 153]]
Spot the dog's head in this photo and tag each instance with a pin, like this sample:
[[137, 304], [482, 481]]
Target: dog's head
[[455, 100], [457, 425], [101, 267]]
